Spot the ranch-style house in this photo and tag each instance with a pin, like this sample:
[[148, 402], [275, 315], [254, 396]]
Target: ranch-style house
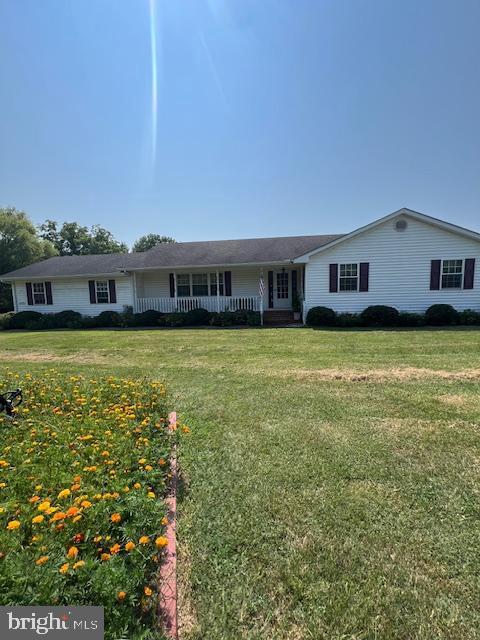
[[406, 259]]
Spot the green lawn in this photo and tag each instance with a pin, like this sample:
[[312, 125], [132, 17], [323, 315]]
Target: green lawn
[[332, 479]]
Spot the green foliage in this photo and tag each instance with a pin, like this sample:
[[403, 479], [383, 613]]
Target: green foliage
[[108, 319], [175, 319], [24, 319], [20, 245], [469, 317], [197, 317], [5, 320], [349, 320], [379, 316], [151, 240], [73, 239], [321, 317], [441, 314], [408, 319]]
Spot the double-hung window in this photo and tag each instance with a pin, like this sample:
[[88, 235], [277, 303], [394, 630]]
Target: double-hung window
[[39, 295], [348, 277], [183, 285], [200, 284], [452, 274], [102, 292]]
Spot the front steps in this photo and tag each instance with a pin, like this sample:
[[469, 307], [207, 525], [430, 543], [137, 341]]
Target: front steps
[[278, 318]]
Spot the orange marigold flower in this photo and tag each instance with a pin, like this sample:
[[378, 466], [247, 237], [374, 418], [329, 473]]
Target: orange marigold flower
[[86, 504], [13, 524], [59, 515], [79, 564], [42, 560], [164, 521], [115, 518], [105, 557], [147, 591], [38, 519], [72, 511], [64, 568], [34, 499], [72, 552], [161, 541], [115, 548], [137, 485], [130, 546], [144, 540], [121, 595]]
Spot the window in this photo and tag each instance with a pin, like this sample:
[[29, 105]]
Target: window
[[200, 284], [102, 293], [282, 285], [39, 296], [183, 285], [452, 274], [213, 284], [349, 277]]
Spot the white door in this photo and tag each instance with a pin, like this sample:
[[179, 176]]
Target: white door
[[282, 293]]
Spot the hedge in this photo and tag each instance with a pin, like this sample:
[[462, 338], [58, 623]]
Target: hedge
[[384, 316], [35, 321]]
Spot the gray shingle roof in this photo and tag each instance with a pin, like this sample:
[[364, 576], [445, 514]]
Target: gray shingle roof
[[181, 254]]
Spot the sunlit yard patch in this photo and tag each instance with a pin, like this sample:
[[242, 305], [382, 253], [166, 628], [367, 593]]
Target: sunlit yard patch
[[83, 472]]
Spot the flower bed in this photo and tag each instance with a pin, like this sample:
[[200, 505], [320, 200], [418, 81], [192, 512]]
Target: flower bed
[[82, 477]]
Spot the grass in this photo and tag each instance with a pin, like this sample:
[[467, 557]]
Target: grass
[[331, 478]]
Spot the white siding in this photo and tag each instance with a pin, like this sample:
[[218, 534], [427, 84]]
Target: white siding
[[74, 294], [399, 269]]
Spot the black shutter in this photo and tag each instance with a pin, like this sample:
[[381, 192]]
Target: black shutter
[[469, 273], [227, 277], [364, 270], [112, 291], [29, 293], [48, 292], [435, 274], [294, 284], [91, 288], [270, 289], [333, 288], [172, 285]]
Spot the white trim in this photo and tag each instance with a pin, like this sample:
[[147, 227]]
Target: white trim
[[422, 217], [14, 296], [88, 276]]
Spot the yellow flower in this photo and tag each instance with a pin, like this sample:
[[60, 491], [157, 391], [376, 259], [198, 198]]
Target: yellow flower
[[121, 595], [85, 504], [72, 552], [13, 524], [64, 568], [130, 546], [164, 521], [42, 560], [64, 494], [144, 540], [137, 485], [150, 494], [105, 557], [142, 461], [78, 564], [148, 467], [38, 519], [147, 591], [44, 506], [115, 518], [161, 542]]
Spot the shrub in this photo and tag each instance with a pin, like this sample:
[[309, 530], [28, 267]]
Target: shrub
[[21, 319], [5, 320], [321, 317], [469, 317], [197, 317], [175, 319], [67, 319], [441, 314], [108, 319], [253, 318], [348, 320], [379, 316], [150, 318], [408, 319]]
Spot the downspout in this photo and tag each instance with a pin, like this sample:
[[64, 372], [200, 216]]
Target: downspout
[[218, 291]]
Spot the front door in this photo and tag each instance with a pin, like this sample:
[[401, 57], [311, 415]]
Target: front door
[[282, 293]]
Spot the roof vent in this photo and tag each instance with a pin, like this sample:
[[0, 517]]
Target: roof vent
[[400, 225]]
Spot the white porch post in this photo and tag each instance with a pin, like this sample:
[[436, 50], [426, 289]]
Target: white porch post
[[218, 292], [135, 297], [261, 298], [175, 289], [14, 296]]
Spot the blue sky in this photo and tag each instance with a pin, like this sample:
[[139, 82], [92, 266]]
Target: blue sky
[[273, 117]]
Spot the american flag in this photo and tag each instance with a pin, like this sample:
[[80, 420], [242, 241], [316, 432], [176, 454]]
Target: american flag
[[261, 286]]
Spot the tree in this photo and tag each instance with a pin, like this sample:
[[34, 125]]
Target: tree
[[72, 239], [20, 245], [151, 240]]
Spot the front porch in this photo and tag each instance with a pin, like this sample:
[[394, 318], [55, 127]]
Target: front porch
[[242, 288]]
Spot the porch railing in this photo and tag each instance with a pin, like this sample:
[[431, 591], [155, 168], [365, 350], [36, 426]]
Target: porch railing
[[210, 303]]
